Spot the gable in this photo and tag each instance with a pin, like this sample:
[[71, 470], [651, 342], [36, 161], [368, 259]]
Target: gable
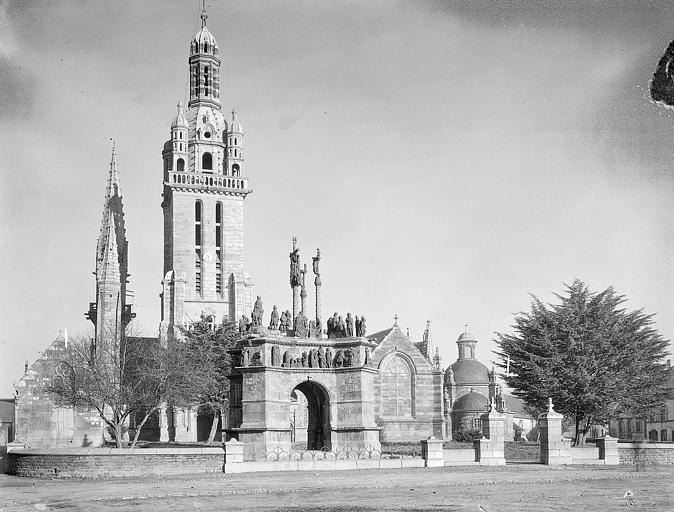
[[394, 341]]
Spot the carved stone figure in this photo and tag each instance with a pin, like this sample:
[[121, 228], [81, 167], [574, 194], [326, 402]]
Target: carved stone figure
[[363, 328], [287, 359], [349, 325], [339, 359], [295, 271], [256, 359], [273, 324], [368, 357], [321, 358], [245, 357], [243, 324], [340, 330], [289, 320], [301, 326], [258, 312], [348, 358], [275, 356], [313, 358], [328, 357], [283, 323], [304, 359], [318, 329], [330, 325], [358, 334]]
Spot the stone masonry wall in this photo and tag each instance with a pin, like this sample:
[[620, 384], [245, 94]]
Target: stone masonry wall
[[107, 463], [39, 421], [427, 416], [646, 453]]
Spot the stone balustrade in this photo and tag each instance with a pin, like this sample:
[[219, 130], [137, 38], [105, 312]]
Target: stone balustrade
[[205, 181]]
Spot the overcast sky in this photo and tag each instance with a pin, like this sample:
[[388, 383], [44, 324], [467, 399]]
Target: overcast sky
[[448, 161]]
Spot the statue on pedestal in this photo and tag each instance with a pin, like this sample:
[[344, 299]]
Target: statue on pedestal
[[243, 324], [258, 312], [328, 358], [349, 325], [273, 324], [301, 326]]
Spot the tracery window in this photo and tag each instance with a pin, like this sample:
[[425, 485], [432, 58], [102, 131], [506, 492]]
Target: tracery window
[[396, 388]]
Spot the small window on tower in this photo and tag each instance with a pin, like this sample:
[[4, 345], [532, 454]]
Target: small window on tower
[[207, 161], [206, 47], [235, 170], [180, 164], [207, 135]]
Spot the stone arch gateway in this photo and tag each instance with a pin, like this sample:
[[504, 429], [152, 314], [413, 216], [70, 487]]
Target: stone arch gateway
[[266, 370]]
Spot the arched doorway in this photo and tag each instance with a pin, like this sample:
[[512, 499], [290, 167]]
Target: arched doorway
[[316, 419]]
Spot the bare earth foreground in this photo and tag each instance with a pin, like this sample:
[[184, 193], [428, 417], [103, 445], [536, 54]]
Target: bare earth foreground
[[513, 488]]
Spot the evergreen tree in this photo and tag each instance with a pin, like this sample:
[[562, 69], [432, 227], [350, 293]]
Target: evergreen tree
[[210, 346], [592, 357]]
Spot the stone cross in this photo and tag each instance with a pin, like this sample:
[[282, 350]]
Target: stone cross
[[395, 320]]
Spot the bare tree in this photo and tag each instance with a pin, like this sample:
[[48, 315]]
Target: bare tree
[[125, 377]]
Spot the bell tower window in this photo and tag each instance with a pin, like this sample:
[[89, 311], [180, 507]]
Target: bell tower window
[[218, 248], [180, 164], [207, 162], [197, 246]]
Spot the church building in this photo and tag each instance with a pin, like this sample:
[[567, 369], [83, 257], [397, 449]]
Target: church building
[[348, 389]]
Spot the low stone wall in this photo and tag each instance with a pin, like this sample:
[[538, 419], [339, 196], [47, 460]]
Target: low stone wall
[[322, 465], [111, 463], [646, 453], [460, 457]]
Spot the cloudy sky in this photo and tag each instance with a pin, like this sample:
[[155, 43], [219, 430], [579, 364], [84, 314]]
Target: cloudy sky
[[448, 160]]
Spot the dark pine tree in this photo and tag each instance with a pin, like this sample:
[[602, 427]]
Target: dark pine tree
[[595, 359]]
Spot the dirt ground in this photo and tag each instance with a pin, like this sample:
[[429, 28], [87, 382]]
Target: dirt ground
[[513, 488]]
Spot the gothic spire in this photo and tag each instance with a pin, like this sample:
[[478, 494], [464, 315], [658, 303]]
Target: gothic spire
[[113, 176], [109, 269]]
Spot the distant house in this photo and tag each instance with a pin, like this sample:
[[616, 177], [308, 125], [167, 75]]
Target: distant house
[[6, 420], [659, 426]]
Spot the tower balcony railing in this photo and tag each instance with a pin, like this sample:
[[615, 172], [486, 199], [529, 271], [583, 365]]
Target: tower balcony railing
[[207, 182]]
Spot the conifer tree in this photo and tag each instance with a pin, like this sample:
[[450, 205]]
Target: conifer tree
[[594, 358], [210, 345]]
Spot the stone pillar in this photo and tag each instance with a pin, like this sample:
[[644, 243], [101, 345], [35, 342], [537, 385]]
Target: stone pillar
[[490, 450], [233, 452], [431, 451], [163, 424], [555, 450], [296, 303], [608, 450], [317, 283]]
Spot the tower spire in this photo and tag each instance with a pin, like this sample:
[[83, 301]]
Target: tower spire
[[113, 176], [204, 16]]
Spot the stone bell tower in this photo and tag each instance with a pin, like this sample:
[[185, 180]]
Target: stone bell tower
[[205, 186]]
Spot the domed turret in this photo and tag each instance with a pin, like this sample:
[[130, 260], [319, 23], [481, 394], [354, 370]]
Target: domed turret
[[235, 127], [179, 121], [204, 68], [203, 41], [471, 402]]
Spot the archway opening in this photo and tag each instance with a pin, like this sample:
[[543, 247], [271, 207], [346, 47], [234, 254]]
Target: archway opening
[[310, 416]]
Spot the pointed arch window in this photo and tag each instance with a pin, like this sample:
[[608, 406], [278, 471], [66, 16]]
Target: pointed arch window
[[207, 161], [396, 387]]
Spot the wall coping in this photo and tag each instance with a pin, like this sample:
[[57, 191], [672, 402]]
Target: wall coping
[[210, 450], [646, 445]]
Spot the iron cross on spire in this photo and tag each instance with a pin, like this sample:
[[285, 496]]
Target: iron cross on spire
[[395, 320], [204, 16]]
